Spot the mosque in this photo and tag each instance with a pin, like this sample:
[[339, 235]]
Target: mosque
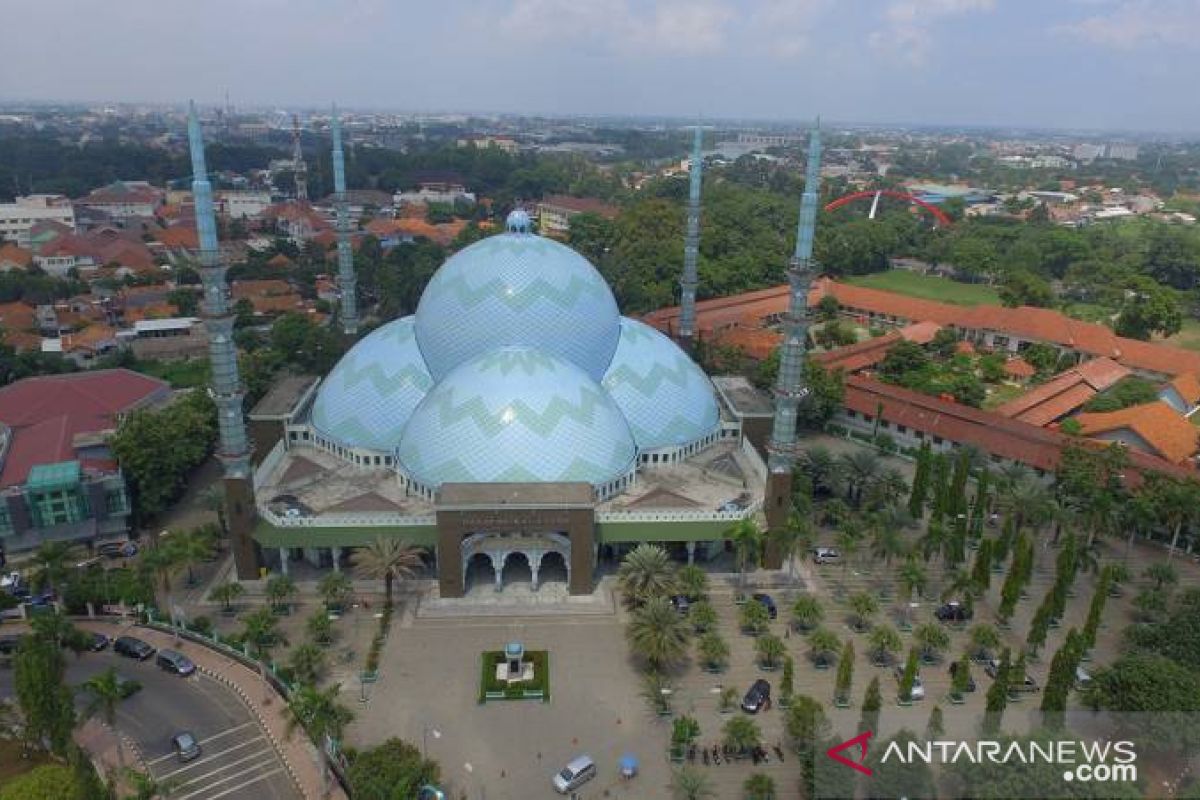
[[516, 426]]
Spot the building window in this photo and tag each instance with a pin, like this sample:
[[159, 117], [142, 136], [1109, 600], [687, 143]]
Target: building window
[[937, 440], [901, 429]]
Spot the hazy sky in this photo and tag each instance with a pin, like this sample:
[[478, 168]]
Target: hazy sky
[[1063, 63]]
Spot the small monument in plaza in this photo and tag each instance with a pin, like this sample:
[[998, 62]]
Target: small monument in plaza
[[514, 668]]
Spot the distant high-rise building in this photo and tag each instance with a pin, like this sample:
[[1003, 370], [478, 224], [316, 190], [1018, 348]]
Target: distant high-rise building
[[1123, 152]]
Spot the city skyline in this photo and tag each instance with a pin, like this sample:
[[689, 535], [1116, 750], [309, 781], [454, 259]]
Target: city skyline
[[1080, 64]]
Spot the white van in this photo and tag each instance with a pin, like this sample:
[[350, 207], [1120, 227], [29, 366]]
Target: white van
[[575, 774]]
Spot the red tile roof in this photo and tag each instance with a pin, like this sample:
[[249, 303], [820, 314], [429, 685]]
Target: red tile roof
[[13, 254], [1187, 387], [1165, 430], [859, 355], [1019, 368], [178, 236], [1064, 393], [45, 414], [581, 205]]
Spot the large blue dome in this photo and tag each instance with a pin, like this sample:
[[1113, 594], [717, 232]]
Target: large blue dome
[[522, 290], [517, 414], [667, 400], [368, 397]]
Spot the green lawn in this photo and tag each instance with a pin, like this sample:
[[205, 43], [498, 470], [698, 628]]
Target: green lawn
[[1188, 336], [928, 287]]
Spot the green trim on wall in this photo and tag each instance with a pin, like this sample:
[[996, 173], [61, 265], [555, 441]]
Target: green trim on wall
[[268, 535], [610, 532]]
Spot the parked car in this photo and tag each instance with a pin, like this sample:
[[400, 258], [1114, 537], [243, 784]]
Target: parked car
[[117, 549], [9, 643], [575, 774], [918, 687], [132, 648], [826, 555], [757, 698], [185, 746], [953, 611], [175, 662], [10, 581], [1026, 684], [99, 642], [768, 603], [681, 603], [954, 666]]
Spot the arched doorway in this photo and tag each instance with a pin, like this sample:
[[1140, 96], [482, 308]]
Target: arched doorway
[[479, 575], [516, 570], [553, 570]]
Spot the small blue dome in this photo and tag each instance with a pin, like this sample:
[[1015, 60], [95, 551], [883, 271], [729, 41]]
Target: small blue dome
[[516, 414], [667, 399], [367, 398], [519, 290], [518, 221]]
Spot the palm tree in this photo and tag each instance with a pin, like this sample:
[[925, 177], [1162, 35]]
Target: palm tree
[[279, 591], [51, 560], [194, 547], [747, 540], [754, 618], [984, 638], [689, 783], [658, 633], [822, 469], [713, 651], [320, 715], [741, 733], [932, 640], [883, 643], [770, 649], [161, 560], [863, 606], [388, 558], [759, 786], [656, 690], [1162, 575], [912, 580], [260, 631], [887, 544], [104, 694], [860, 467], [823, 645], [646, 572], [226, 593], [702, 616], [692, 582], [307, 662], [320, 628], [807, 612], [334, 588], [213, 499], [888, 488], [795, 538]]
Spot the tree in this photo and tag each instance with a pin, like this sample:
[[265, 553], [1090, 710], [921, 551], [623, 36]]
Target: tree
[[1023, 288], [787, 682], [1162, 575], [807, 612], [1039, 626], [658, 633], [713, 651], [845, 674], [960, 681], [226, 593], [997, 695], [891, 780], [806, 723], [688, 783], [983, 639], [1061, 678], [388, 558], [194, 547], [770, 649], [42, 694], [883, 642], [646, 573], [104, 691], [393, 770], [860, 468], [742, 734], [319, 627], [1149, 308], [913, 580], [747, 540], [823, 644], [793, 540], [871, 706], [279, 590], [863, 606], [307, 662], [1160, 694], [932, 640], [908, 677], [47, 782], [335, 589], [51, 560], [213, 498], [260, 632], [702, 616], [754, 618], [981, 570], [1096, 609], [920, 484], [319, 714], [759, 786], [692, 582], [935, 728]]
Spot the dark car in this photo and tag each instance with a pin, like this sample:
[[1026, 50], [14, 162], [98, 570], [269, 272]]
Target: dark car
[[954, 667], [758, 698], [117, 549], [953, 611], [681, 603], [99, 642], [185, 746], [132, 648], [9, 643], [768, 603], [175, 662]]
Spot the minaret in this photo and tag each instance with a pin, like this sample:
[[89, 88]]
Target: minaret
[[790, 390], [691, 247], [299, 168], [346, 279], [233, 448]]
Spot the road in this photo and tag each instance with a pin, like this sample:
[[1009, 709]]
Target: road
[[237, 762]]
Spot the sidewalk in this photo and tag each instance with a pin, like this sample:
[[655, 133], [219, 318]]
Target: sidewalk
[[102, 744], [298, 753]]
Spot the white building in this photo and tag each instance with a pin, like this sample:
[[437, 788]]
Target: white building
[[247, 204], [17, 218]]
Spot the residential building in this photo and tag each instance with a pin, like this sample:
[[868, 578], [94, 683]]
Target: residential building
[[1154, 428], [59, 481], [13, 256], [123, 200], [19, 217], [555, 212], [483, 142], [245, 204], [166, 339], [441, 187]]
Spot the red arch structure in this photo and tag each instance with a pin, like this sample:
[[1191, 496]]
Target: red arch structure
[[937, 213]]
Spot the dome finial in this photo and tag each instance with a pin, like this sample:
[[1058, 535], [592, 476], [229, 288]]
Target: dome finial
[[518, 221]]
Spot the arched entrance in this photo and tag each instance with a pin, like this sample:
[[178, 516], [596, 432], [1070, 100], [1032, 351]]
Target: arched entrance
[[516, 570], [553, 570], [517, 558], [479, 572]]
